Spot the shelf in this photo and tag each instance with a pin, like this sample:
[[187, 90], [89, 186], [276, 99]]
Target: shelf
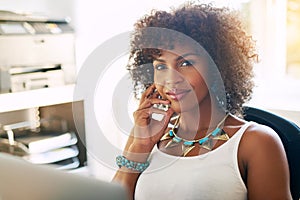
[[83, 171], [36, 98]]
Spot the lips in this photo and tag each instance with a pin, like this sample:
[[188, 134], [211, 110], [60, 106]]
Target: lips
[[177, 94]]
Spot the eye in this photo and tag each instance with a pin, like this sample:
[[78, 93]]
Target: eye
[[160, 67], [187, 63]]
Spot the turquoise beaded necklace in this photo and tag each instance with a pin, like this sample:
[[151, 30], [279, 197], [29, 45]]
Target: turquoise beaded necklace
[[187, 145]]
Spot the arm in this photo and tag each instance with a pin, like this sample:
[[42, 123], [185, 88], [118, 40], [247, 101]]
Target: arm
[[144, 135], [127, 177], [267, 173]]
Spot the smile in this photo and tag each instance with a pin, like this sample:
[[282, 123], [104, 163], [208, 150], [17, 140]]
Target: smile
[[177, 94]]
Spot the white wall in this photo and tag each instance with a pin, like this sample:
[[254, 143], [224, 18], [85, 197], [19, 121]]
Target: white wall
[[51, 7], [97, 21]]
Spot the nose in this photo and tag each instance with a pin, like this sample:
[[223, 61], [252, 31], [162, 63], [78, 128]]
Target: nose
[[168, 76], [173, 77]]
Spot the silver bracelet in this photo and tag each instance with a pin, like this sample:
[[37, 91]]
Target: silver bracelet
[[137, 166]]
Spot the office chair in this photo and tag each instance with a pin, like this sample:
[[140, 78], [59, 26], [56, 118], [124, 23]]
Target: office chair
[[289, 134]]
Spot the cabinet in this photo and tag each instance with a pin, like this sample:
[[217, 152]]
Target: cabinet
[[37, 77], [46, 105]]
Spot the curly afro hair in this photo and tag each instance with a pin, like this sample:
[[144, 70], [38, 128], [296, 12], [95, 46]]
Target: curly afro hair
[[218, 30]]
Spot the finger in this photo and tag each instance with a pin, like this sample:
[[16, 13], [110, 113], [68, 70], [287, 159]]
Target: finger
[[150, 102], [166, 116], [148, 92], [156, 94], [159, 126], [147, 112], [142, 114], [170, 113]]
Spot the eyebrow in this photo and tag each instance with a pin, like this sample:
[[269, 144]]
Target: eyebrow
[[179, 57]]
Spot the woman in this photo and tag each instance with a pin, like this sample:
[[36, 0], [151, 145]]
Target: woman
[[196, 62]]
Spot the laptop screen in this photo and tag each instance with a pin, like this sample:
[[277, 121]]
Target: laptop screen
[[22, 180]]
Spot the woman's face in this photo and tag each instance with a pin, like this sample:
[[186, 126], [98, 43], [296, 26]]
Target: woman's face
[[179, 77]]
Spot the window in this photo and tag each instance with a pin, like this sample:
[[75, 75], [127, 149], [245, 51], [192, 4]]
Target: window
[[274, 25], [293, 39]]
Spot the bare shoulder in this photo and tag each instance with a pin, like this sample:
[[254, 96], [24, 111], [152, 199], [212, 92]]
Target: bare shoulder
[[262, 155], [260, 141], [256, 135], [259, 137]]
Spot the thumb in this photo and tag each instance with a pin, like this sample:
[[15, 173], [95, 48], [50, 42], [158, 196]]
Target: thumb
[[160, 122], [167, 117]]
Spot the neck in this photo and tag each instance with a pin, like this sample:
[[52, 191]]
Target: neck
[[200, 121]]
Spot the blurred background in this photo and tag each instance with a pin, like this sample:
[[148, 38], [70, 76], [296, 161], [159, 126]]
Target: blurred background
[[274, 25]]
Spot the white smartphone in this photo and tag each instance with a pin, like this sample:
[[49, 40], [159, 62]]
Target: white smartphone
[[160, 106]]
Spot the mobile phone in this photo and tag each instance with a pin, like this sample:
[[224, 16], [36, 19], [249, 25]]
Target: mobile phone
[[161, 106]]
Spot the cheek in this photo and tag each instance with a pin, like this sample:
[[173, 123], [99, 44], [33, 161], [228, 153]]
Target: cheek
[[199, 85], [158, 78], [159, 88]]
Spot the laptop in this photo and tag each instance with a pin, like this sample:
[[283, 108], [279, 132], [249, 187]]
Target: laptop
[[21, 180]]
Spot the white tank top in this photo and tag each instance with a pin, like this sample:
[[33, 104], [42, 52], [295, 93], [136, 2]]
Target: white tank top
[[214, 175]]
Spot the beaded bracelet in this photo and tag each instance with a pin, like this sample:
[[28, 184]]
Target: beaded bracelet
[[137, 166]]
